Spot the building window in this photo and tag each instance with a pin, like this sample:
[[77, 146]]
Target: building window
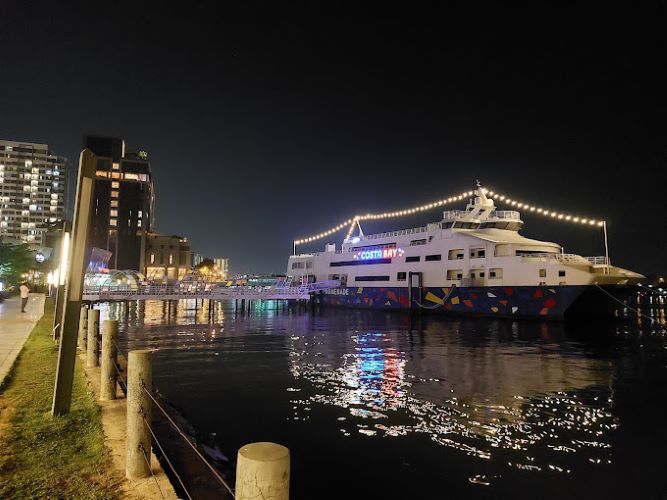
[[152, 258], [481, 275], [115, 185], [414, 258], [371, 278], [114, 203], [112, 222], [114, 194], [113, 213], [401, 276], [561, 273], [171, 259], [543, 273], [433, 257]]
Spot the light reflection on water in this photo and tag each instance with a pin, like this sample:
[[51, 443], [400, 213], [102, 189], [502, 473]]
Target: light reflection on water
[[509, 399]]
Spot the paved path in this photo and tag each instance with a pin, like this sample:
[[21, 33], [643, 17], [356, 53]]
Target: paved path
[[15, 327]]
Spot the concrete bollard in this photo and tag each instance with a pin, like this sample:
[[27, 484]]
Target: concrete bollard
[[83, 319], [262, 471], [108, 360], [92, 347], [139, 376]]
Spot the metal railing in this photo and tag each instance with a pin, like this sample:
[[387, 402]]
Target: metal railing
[[205, 291], [568, 258]]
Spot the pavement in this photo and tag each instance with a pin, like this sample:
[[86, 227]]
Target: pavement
[[15, 327]]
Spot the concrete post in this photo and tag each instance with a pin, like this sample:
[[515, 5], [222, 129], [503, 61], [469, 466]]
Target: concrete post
[[83, 328], [139, 376], [92, 347], [108, 361], [262, 471]]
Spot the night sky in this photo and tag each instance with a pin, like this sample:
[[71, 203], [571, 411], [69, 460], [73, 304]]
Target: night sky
[[265, 124]]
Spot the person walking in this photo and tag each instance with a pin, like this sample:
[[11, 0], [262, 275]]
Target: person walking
[[24, 295]]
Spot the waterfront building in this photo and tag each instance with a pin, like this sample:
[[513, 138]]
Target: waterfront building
[[197, 259], [167, 257], [124, 201], [221, 267], [33, 190]]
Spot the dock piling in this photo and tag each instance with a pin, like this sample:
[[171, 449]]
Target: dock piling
[[91, 346], [83, 319], [108, 386], [263, 471], [139, 381]]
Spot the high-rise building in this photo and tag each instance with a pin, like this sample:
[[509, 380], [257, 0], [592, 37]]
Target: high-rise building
[[124, 201], [221, 267], [33, 190]]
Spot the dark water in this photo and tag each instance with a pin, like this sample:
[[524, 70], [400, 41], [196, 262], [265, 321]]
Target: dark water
[[374, 405]]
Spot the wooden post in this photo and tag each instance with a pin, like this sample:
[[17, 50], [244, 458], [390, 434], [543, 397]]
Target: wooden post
[[93, 329], [139, 379], [83, 328], [78, 261], [262, 471], [108, 362]]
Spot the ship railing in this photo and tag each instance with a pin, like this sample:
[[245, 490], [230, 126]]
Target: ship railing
[[566, 258], [453, 214], [402, 232], [598, 260], [505, 214]]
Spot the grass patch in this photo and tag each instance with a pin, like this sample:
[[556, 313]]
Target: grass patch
[[42, 456]]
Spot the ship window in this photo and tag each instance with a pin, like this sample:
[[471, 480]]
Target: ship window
[[456, 254], [454, 274], [481, 275], [418, 242], [561, 273], [371, 278], [472, 275], [401, 276], [543, 273], [414, 258], [477, 253], [433, 257], [297, 265], [309, 264], [496, 273]]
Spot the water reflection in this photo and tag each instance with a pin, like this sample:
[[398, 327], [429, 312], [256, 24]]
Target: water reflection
[[536, 399], [514, 397]]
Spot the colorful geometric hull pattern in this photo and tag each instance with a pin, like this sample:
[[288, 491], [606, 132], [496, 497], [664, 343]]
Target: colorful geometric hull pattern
[[547, 302]]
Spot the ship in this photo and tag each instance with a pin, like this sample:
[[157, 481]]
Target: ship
[[472, 262]]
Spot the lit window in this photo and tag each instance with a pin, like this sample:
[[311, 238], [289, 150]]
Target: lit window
[[113, 213], [114, 194], [112, 222], [115, 166], [171, 259], [115, 185], [152, 258]]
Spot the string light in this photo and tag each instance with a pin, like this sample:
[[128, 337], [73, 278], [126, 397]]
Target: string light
[[353, 222]]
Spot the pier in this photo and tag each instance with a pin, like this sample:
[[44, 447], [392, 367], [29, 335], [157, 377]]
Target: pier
[[189, 290]]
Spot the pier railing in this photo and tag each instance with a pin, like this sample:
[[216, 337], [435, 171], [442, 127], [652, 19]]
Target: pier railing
[[178, 291]]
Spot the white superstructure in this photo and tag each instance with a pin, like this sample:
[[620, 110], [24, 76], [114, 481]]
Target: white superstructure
[[476, 247]]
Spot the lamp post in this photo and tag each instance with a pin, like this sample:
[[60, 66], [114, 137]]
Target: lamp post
[[83, 211]]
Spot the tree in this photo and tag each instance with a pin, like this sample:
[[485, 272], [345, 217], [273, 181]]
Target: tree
[[14, 261]]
